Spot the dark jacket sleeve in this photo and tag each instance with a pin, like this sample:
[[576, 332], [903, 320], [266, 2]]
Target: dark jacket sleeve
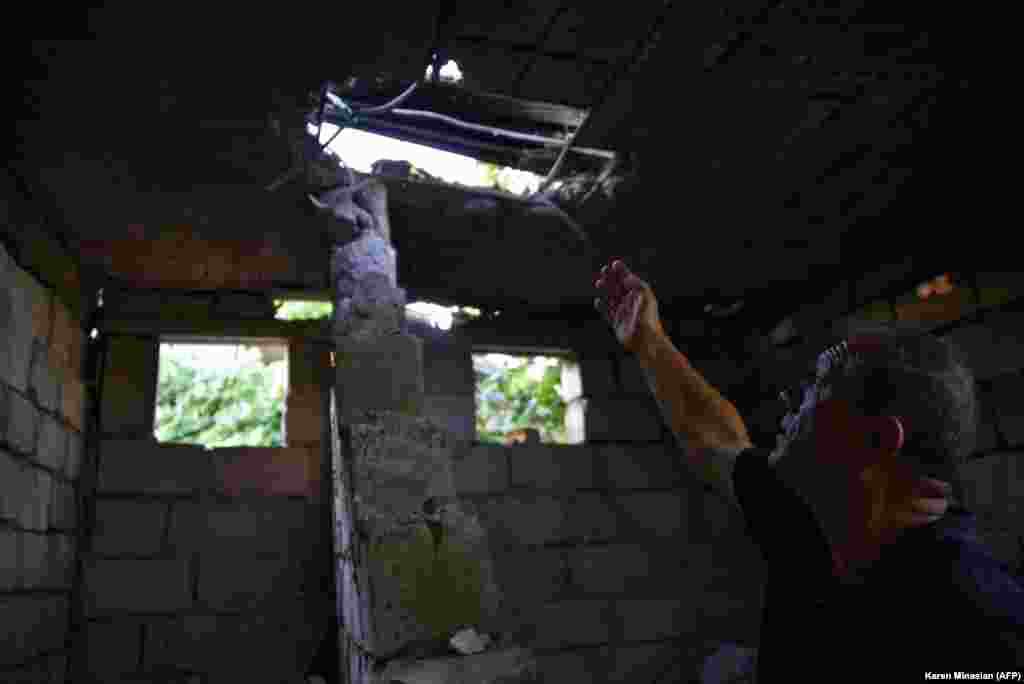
[[778, 520]]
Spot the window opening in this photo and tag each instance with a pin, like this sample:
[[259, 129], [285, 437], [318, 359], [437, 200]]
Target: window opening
[[517, 392], [221, 394], [302, 310]]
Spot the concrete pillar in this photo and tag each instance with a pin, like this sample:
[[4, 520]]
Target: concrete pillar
[[413, 564]]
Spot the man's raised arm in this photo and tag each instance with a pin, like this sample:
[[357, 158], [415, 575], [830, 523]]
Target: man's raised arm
[[705, 423]]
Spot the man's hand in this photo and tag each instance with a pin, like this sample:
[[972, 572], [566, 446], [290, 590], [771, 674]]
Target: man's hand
[[929, 503], [628, 304]]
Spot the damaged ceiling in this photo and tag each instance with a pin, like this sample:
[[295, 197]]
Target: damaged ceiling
[[764, 150]]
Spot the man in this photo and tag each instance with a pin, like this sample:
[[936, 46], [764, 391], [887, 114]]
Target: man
[[874, 567]]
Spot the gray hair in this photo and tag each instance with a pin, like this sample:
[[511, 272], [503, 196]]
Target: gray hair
[[925, 381]]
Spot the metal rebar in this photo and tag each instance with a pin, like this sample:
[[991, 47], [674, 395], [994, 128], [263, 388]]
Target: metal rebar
[[565, 151], [380, 109]]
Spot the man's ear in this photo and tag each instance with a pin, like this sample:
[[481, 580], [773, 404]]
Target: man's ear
[[886, 432]]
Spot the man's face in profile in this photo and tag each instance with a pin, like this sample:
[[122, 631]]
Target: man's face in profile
[[821, 479]]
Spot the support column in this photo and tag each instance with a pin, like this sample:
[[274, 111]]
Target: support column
[[413, 564]]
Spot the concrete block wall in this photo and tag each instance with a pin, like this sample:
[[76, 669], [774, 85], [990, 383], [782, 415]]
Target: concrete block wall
[[616, 405], [42, 418], [204, 564], [611, 559], [608, 562], [449, 379]]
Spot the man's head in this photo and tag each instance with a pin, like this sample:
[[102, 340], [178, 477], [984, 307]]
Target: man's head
[[915, 377]]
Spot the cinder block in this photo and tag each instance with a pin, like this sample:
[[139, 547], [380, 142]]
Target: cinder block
[[480, 468], [710, 516], [45, 379], [16, 301], [653, 619], [723, 615], [42, 312], [591, 517], [47, 561], [384, 375], [61, 340], [10, 552], [182, 307], [593, 338], [583, 665], [524, 519], [444, 373], [52, 447], [993, 347], [307, 364], [129, 386], [642, 466], [22, 424], [549, 466], [564, 624], [33, 672], [143, 466], [880, 281], [239, 305], [530, 577], [269, 526], [136, 586], [230, 582], [112, 647], [242, 648], [826, 308], [598, 376], [130, 304], [35, 504], [63, 506], [997, 288], [937, 310], [264, 471], [645, 662], [610, 419], [616, 569], [1005, 400], [303, 418], [632, 379], [60, 561], [31, 625], [12, 487], [657, 514], [1006, 546], [76, 452], [33, 561], [129, 527], [72, 397], [455, 413], [5, 411], [992, 486]]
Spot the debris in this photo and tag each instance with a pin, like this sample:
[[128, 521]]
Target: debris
[[468, 642]]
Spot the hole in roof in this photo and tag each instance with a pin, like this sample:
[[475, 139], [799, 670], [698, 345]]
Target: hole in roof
[[360, 149], [442, 317], [449, 72]]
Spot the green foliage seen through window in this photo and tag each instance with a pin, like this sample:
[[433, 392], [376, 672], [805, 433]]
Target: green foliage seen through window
[[208, 395], [511, 397], [302, 311]]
